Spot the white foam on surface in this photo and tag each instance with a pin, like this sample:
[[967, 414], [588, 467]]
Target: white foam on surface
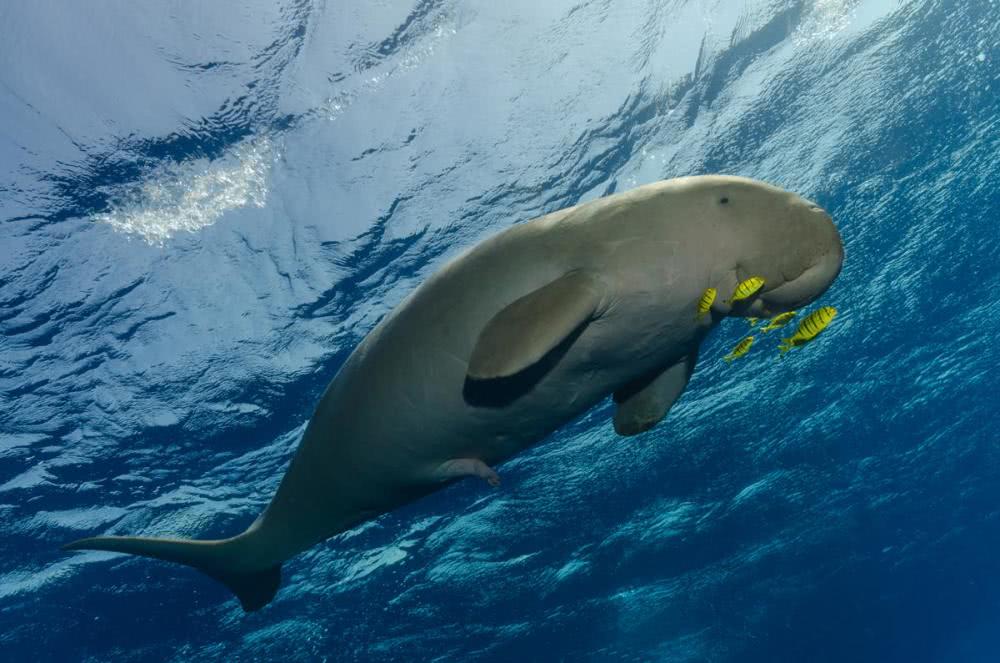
[[409, 58], [191, 195], [824, 20]]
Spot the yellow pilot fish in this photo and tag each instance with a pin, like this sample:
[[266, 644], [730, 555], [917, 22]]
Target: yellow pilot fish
[[809, 328], [778, 321], [741, 349], [753, 321], [705, 303], [746, 289]]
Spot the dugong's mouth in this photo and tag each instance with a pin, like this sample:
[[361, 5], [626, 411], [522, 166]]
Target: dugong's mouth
[[801, 290]]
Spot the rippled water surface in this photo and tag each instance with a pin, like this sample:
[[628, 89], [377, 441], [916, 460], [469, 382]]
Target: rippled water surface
[[205, 206]]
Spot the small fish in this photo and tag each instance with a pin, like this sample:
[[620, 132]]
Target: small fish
[[779, 321], [809, 328], [747, 289], [753, 321], [741, 349], [706, 301]]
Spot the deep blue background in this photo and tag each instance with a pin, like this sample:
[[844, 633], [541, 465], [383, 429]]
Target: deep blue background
[[204, 208]]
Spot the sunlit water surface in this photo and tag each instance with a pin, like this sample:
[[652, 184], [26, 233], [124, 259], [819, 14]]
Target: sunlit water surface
[[206, 206]]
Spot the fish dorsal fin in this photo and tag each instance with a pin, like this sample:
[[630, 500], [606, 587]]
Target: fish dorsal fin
[[532, 326]]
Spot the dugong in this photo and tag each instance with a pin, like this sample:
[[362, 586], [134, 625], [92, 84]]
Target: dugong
[[512, 339]]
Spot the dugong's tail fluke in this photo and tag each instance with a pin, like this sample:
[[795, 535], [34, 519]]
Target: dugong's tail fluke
[[253, 587]]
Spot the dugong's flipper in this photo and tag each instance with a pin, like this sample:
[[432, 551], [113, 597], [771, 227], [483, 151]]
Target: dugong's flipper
[[528, 329], [641, 404]]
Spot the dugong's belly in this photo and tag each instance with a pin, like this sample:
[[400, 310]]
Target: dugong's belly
[[402, 411], [425, 418]]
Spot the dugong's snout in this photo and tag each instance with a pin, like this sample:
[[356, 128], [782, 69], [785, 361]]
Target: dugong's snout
[[821, 264]]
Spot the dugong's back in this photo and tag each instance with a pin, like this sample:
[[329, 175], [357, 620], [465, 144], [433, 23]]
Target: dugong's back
[[402, 391]]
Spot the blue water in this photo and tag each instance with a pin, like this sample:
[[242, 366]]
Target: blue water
[[206, 206]]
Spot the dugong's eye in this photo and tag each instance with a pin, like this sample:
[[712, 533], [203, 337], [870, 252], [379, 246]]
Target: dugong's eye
[[723, 200]]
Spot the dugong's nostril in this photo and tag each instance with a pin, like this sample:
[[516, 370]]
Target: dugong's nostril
[[808, 204]]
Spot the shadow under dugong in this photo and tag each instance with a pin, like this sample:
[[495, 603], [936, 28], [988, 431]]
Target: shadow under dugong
[[513, 338]]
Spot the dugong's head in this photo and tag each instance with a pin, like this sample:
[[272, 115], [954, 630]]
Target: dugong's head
[[761, 230]]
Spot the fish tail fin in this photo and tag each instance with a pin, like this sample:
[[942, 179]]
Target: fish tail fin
[[785, 345], [220, 559]]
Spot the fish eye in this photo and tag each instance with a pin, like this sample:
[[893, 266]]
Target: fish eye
[[724, 200]]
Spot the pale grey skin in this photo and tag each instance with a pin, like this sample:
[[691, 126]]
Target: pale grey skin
[[515, 337]]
